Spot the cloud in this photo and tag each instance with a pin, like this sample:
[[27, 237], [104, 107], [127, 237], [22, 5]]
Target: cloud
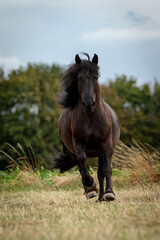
[[139, 20], [9, 63], [125, 34]]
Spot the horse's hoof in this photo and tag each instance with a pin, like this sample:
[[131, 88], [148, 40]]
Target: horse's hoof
[[109, 196], [91, 194]]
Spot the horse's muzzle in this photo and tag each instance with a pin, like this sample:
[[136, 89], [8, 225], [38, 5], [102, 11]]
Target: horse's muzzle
[[89, 107]]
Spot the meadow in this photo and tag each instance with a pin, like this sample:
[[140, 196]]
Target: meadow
[[46, 205], [40, 204]]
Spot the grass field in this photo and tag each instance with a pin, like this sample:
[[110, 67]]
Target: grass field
[[56, 208]]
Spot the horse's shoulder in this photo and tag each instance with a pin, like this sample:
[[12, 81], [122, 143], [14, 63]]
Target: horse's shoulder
[[64, 116]]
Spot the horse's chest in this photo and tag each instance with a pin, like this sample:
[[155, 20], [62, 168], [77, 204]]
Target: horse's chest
[[94, 134], [91, 131]]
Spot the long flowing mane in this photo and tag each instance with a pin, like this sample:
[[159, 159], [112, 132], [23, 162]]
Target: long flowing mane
[[69, 82]]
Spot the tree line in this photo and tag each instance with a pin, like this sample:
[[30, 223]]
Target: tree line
[[29, 111]]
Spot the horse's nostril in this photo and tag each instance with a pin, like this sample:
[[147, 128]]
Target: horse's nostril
[[88, 105]]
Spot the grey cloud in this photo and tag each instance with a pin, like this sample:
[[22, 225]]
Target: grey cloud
[[138, 20]]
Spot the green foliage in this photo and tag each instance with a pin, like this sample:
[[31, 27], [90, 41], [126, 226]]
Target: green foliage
[[28, 108], [8, 175], [116, 172], [44, 173], [138, 109], [11, 174]]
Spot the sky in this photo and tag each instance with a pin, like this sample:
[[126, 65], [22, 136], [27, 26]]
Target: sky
[[124, 34]]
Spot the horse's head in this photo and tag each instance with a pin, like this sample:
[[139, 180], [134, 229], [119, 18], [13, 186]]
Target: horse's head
[[88, 86]]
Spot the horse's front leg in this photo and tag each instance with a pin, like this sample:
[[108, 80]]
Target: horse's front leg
[[87, 180], [107, 172]]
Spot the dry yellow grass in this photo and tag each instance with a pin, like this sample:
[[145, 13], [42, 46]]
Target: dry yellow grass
[[66, 214], [142, 162]]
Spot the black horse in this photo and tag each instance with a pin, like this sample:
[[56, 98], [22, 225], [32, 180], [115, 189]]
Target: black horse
[[88, 127]]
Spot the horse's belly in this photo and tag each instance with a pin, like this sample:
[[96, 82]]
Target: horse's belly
[[93, 153]]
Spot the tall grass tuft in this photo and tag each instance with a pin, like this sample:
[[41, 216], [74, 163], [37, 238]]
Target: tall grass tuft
[[141, 161], [23, 158]]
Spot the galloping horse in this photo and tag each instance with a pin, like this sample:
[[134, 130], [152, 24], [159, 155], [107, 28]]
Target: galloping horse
[[88, 127]]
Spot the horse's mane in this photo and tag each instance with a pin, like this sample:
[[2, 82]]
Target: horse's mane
[[70, 95]]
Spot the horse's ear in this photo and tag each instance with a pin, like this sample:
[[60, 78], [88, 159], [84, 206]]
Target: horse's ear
[[95, 59], [77, 59]]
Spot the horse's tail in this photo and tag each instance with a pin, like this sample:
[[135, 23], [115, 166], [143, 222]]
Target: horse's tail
[[62, 161]]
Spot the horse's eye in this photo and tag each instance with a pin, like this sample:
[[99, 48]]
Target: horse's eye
[[96, 78]]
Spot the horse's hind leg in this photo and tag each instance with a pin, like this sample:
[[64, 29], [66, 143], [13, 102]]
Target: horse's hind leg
[[87, 180]]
